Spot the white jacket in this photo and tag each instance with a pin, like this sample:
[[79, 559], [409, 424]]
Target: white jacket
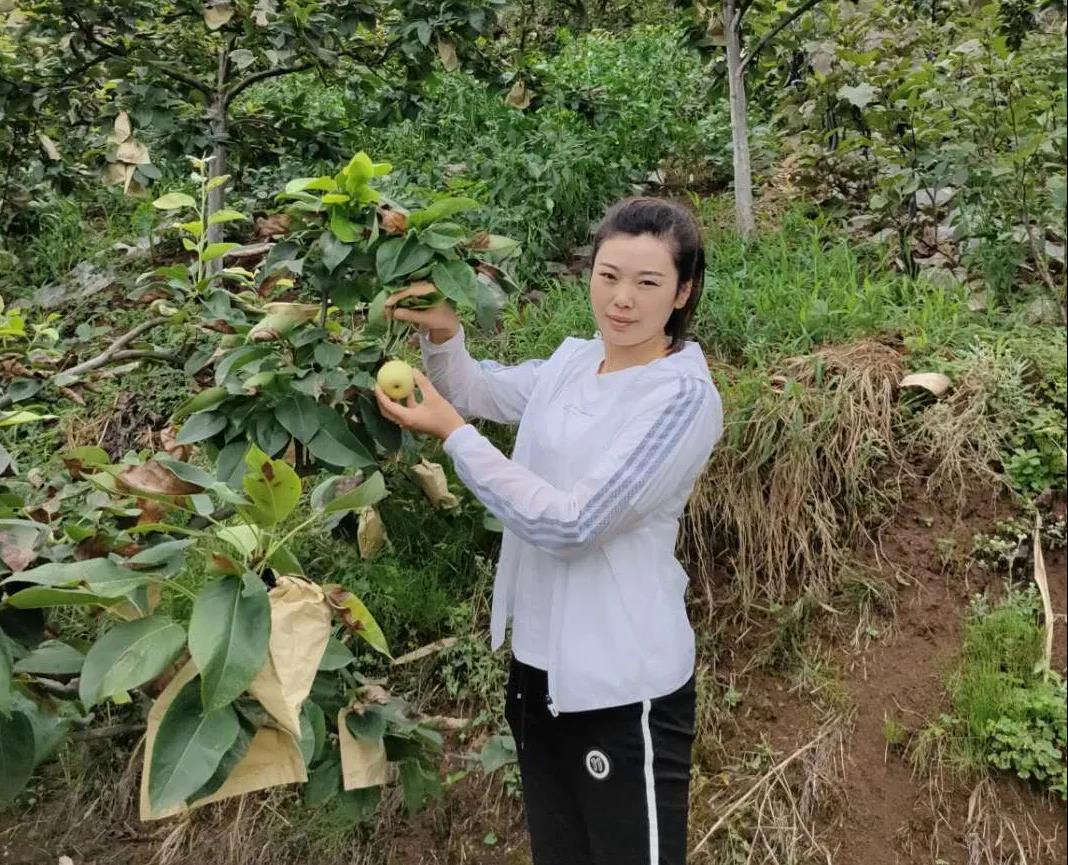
[[591, 499]]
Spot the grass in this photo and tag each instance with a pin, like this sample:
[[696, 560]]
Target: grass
[[1006, 711]]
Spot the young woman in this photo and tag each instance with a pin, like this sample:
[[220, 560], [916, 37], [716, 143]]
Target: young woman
[[613, 432]]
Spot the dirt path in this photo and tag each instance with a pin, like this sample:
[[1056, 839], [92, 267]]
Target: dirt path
[[891, 817]]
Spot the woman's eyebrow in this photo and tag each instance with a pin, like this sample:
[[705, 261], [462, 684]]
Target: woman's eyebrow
[[640, 272]]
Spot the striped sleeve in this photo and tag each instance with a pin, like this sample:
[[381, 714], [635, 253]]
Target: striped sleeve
[[655, 457], [479, 389]]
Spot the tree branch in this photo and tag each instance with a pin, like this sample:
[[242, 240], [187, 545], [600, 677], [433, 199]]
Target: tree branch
[[177, 75], [111, 732], [777, 29], [110, 352], [263, 75]]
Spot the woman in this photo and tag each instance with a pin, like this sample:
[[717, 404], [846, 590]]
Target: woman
[[613, 432]]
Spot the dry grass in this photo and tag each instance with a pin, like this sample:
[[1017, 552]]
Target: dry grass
[[91, 807], [769, 816], [794, 484], [958, 438]]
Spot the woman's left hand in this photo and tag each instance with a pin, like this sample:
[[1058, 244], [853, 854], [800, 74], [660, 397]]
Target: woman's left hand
[[434, 415]]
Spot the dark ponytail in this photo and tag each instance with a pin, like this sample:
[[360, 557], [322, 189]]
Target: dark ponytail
[[675, 225]]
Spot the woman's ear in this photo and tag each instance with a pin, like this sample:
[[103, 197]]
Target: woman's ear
[[683, 294]]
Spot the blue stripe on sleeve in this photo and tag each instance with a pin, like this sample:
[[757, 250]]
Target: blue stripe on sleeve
[[614, 495]]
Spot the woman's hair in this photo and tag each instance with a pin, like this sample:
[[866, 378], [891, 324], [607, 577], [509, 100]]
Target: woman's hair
[[676, 226]]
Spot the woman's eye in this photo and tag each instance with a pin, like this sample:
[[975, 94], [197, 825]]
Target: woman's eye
[[608, 276]]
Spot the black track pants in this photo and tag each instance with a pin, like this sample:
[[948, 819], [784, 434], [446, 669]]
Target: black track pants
[[605, 787]]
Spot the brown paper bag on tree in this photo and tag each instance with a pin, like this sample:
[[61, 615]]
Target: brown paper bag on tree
[[363, 763], [273, 757], [300, 628], [431, 480]]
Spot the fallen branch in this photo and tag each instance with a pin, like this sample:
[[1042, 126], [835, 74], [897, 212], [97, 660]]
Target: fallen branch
[[108, 354], [111, 732], [425, 651], [58, 689]]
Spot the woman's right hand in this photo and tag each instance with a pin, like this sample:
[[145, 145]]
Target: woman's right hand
[[440, 322]]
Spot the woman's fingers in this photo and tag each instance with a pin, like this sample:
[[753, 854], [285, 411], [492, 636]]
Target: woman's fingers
[[416, 289], [426, 387], [388, 407]]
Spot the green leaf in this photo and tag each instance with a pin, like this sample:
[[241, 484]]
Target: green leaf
[[312, 731], [230, 463], [17, 418], [324, 781], [50, 658], [195, 228], [234, 755], [49, 728], [284, 562], [174, 201], [299, 415], [185, 471], [200, 426], [228, 636], [225, 215], [335, 442], [358, 617], [399, 256], [497, 752], [343, 228], [206, 399], [358, 172], [456, 280], [214, 250], [377, 323], [306, 184], [371, 723], [127, 656], [382, 430], [216, 182], [43, 597], [7, 690], [419, 784], [443, 208], [269, 435], [100, 576], [16, 754], [335, 251], [245, 539], [272, 485], [369, 492], [189, 746], [336, 656], [443, 235]]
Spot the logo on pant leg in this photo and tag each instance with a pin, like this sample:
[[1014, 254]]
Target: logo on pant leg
[[597, 764]]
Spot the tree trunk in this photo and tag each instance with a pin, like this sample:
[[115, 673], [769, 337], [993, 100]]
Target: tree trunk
[[216, 196], [743, 178]]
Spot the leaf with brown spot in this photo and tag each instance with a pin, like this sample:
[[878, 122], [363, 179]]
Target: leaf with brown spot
[[167, 438], [18, 543], [152, 511], [225, 565], [393, 221], [155, 480]]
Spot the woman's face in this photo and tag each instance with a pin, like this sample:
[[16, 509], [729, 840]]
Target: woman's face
[[633, 289]]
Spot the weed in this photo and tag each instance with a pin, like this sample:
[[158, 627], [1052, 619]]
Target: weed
[[1007, 712]]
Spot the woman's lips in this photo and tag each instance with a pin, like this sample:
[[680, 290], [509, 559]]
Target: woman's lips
[[620, 323]]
